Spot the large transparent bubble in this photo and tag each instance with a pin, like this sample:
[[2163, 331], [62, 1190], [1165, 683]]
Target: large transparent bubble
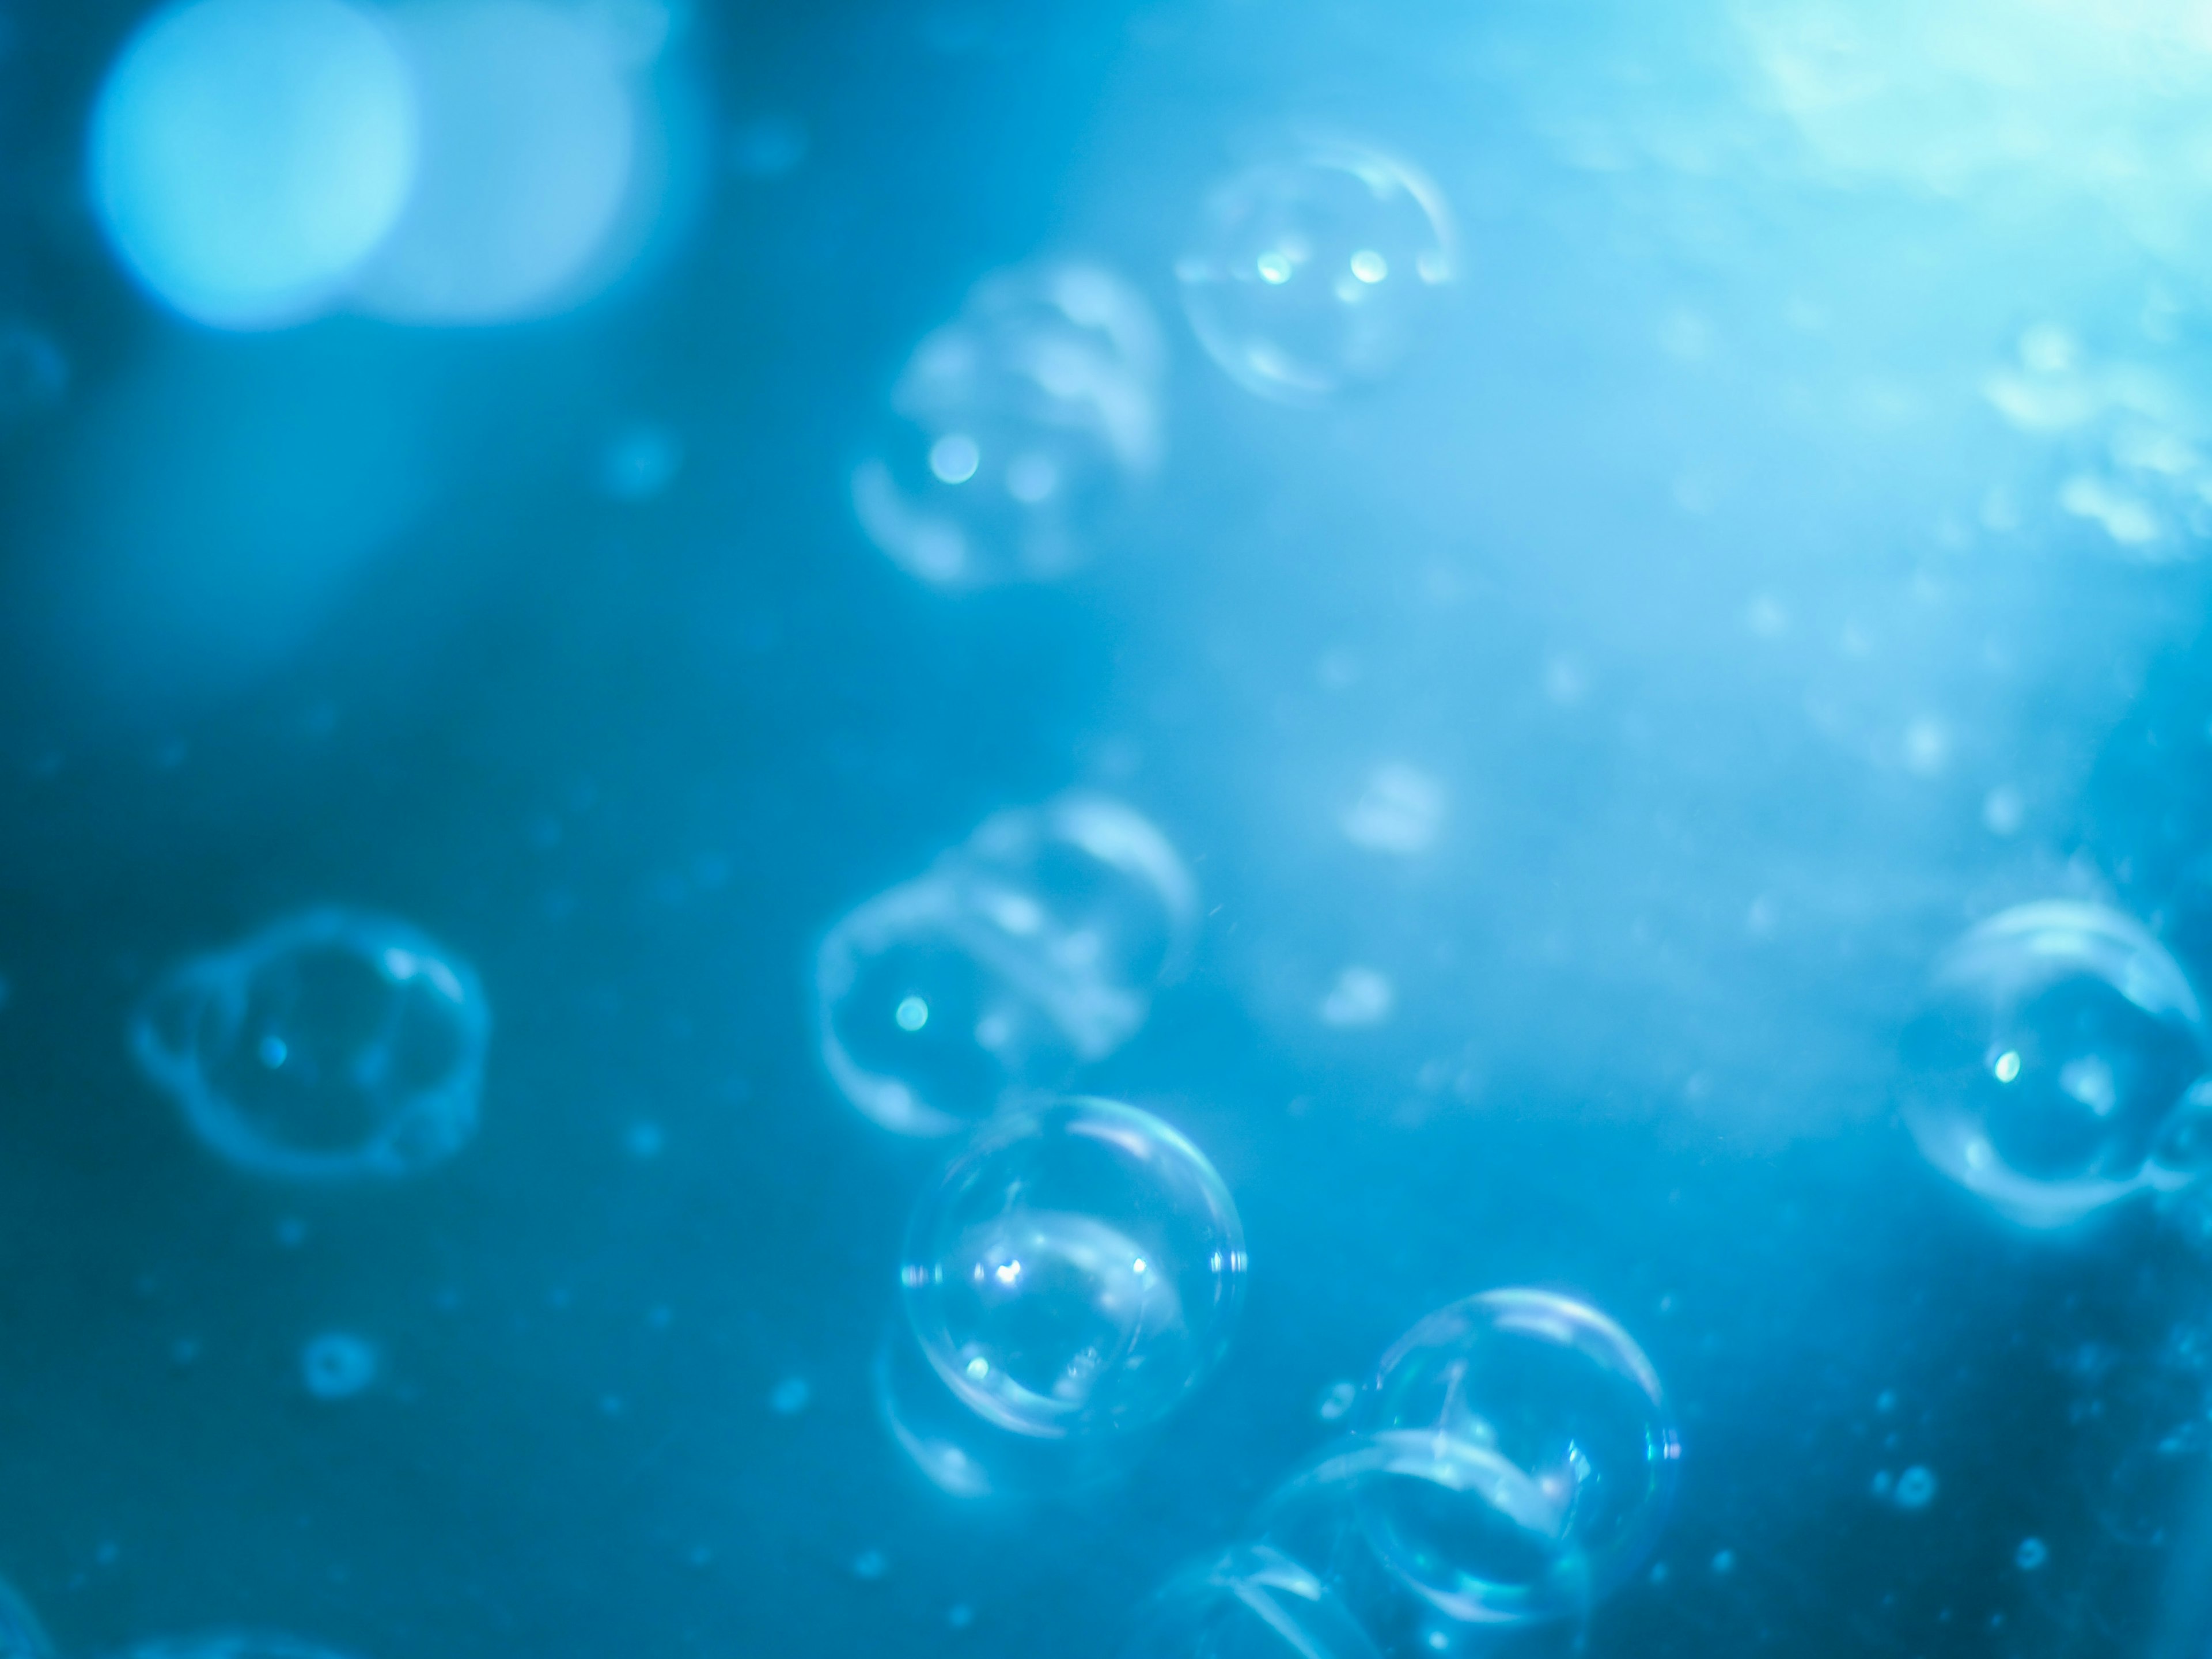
[[1020, 428], [1031, 949], [1318, 271], [333, 1044], [1516, 1457], [1254, 1602], [2052, 1072], [1076, 1271]]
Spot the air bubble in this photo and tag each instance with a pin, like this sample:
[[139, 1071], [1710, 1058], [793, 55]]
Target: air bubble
[[1020, 430], [2031, 1555], [1085, 1271], [332, 1045], [1916, 1488], [1525, 1457], [1031, 948], [2051, 1074], [1318, 271]]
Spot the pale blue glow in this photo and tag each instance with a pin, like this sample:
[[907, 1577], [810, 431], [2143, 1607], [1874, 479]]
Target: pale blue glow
[[247, 155]]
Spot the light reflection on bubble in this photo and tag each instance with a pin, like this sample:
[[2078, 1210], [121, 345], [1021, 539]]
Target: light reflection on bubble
[[2051, 1074], [1318, 271], [1029, 949], [1021, 430], [1253, 1602], [1076, 1273], [331, 1045]]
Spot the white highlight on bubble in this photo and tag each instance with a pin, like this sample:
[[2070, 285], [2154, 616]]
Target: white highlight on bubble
[[247, 155]]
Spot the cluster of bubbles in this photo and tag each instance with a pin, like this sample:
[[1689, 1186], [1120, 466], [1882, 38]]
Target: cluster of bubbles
[[2059, 1066], [1029, 949], [1511, 1461], [256, 163], [1023, 430], [332, 1045], [1075, 1274]]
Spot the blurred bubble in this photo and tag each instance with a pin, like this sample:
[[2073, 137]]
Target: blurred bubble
[[247, 155], [1020, 429], [1077, 1271], [1317, 272], [529, 141], [768, 146], [333, 1044], [640, 462], [1522, 1457], [1916, 1488], [337, 1364], [34, 375], [1030, 948], [2031, 1555], [1399, 811], [22, 1635], [790, 1397], [1361, 997], [2051, 1072], [1254, 1602]]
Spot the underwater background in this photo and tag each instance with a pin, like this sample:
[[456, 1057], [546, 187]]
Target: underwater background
[[1771, 546]]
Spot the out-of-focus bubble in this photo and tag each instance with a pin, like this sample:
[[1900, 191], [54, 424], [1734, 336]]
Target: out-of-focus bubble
[[768, 146], [1520, 1457], [1077, 1271], [1031, 949], [640, 462], [22, 1635], [1317, 272], [2031, 1555], [1361, 997], [1399, 811], [337, 1365], [1255, 1602], [1916, 1488], [530, 139], [331, 1045], [2051, 1072], [247, 155], [1020, 429]]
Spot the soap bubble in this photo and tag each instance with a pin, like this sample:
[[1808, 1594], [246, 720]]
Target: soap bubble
[[1255, 1602], [1318, 271], [1077, 1271], [1029, 949], [2051, 1074], [1519, 1458], [1023, 426], [333, 1044]]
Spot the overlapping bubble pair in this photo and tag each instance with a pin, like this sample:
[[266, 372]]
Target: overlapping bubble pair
[[332, 1045], [1074, 1275], [1031, 948], [2061, 1065], [1512, 1460]]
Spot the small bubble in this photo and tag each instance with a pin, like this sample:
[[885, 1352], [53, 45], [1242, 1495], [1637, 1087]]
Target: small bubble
[[790, 1396], [912, 1014], [644, 1140], [960, 1615], [1336, 1400], [869, 1565], [2032, 1553], [1881, 1483], [639, 463], [1724, 1563], [337, 1365], [1886, 1401], [1916, 1488], [291, 1233], [768, 146]]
